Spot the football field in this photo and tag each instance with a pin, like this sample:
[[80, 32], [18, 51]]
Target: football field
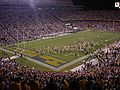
[[61, 50]]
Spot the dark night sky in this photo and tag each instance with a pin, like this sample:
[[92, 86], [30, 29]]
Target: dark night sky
[[96, 4]]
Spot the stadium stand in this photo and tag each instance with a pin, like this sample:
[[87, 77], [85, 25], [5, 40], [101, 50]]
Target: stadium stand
[[32, 24], [29, 24]]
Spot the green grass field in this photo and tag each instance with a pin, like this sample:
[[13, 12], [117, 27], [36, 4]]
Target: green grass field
[[30, 64], [4, 54], [99, 39], [24, 62]]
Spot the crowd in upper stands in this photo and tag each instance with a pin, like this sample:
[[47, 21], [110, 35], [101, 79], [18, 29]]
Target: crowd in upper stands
[[67, 15], [95, 20], [28, 24], [105, 75]]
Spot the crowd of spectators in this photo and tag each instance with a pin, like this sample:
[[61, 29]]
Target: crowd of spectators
[[32, 24], [105, 75], [95, 20], [28, 24], [97, 25], [105, 15]]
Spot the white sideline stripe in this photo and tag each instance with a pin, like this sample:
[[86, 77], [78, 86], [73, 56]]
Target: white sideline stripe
[[63, 66], [33, 60], [49, 66], [72, 62], [94, 61], [80, 67]]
